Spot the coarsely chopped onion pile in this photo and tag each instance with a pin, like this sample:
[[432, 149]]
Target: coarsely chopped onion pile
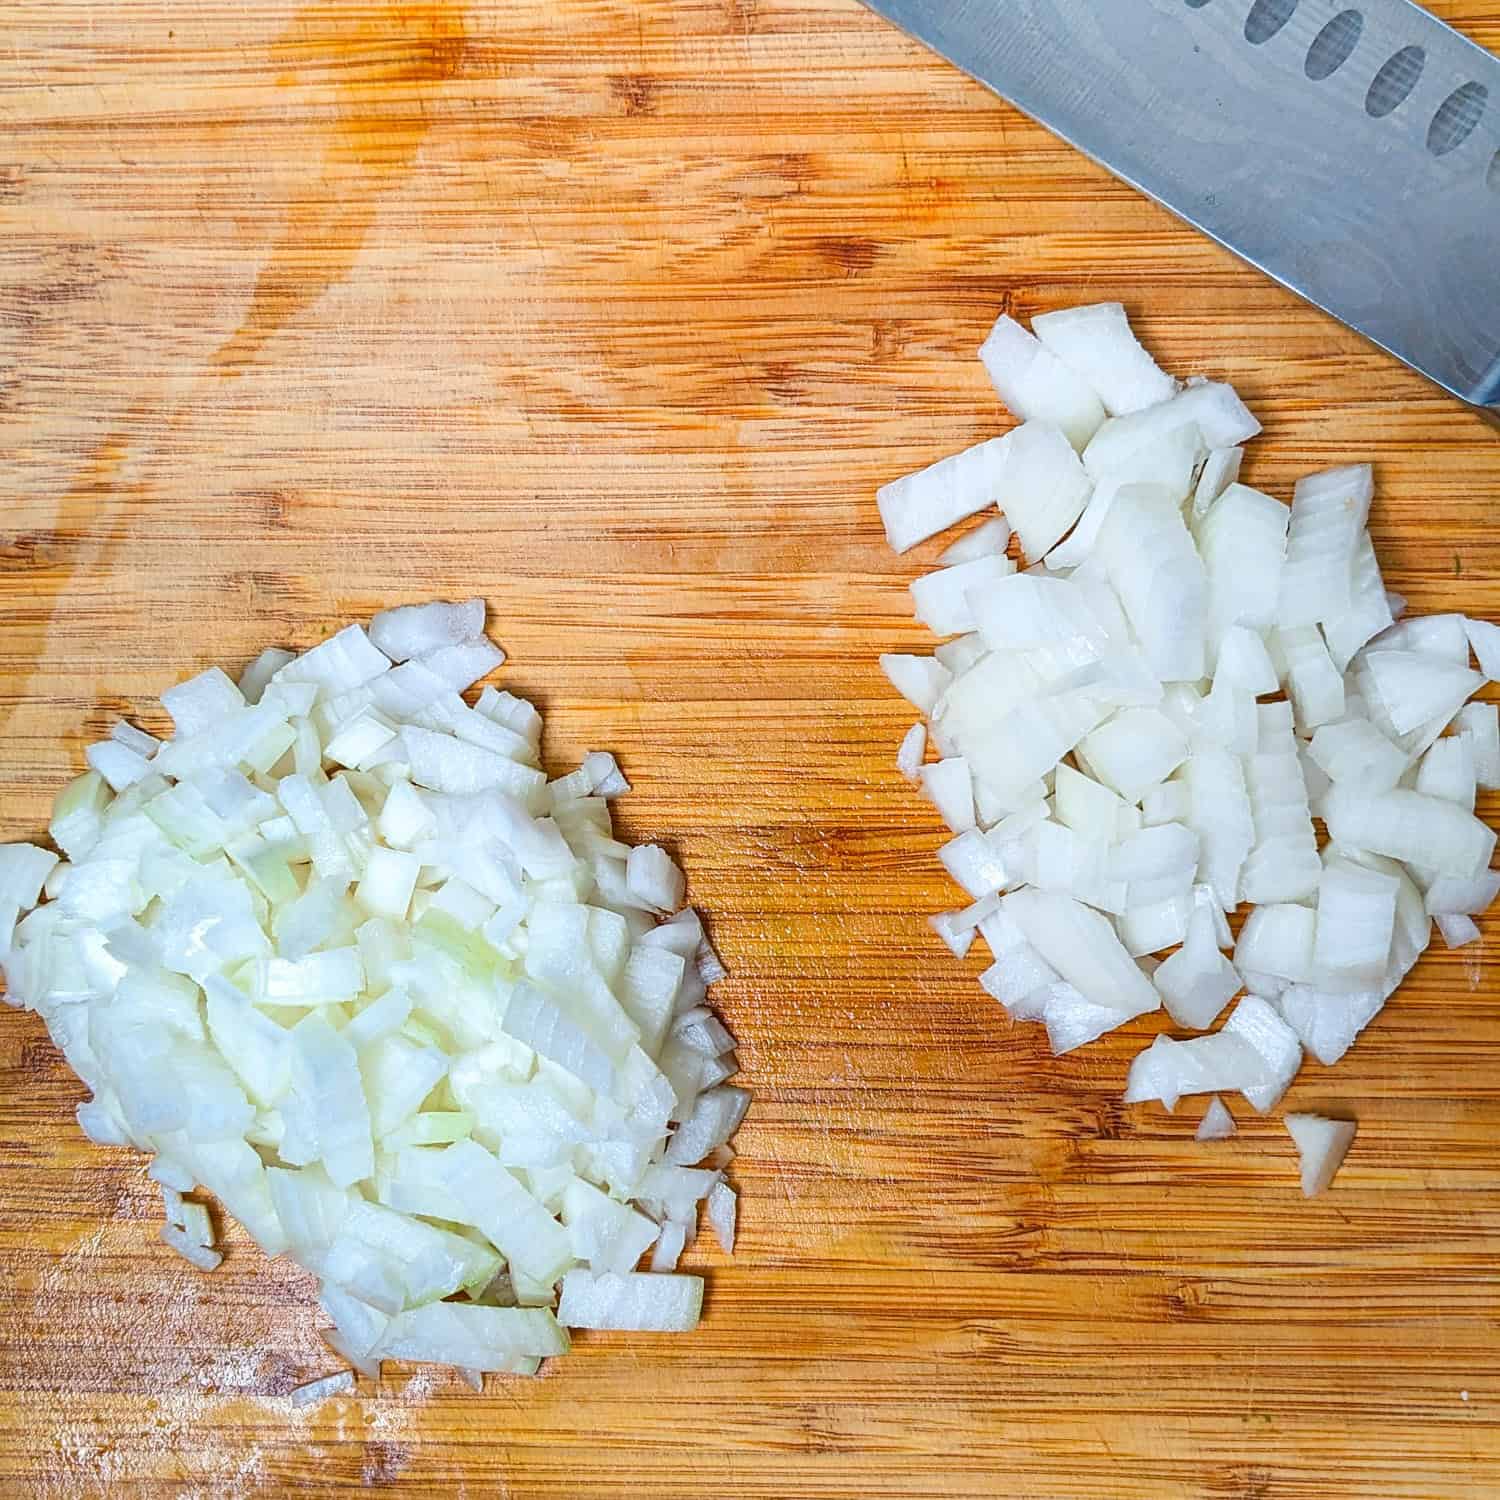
[[1136, 732], [340, 953]]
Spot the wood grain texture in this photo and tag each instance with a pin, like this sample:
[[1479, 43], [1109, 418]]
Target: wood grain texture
[[617, 311]]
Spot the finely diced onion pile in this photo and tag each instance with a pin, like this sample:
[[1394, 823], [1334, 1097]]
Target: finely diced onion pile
[[1135, 730], [339, 953]]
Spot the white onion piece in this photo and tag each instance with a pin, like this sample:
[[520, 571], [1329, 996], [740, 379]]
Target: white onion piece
[[652, 876], [1220, 813], [119, 765], [23, 869], [711, 967], [1055, 858], [669, 1246], [1028, 612], [1405, 825], [1458, 931], [635, 1301], [1221, 1062], [1010, 736], [1217, 1123], [1043, 487], [1197, 981], [415, 629], [1242, 538], [1444, 636], [958, 940], [1168, 802], [1086, 806], [1356, 920], [913, 748], [1219, 415], [198, 703], [962, 652], [1152, 565], [171, 1200], [1242, 658], [1448, 771], [1480, 724], [1148, 928], [722, 1210], [1134, 751], [1369, 610], [715, 1117], [973, 860], [925, 503], [1329, 512], [1257, 1023], [1072, 1021], [1322, 1145], [194, 1221], [461, 665], [258, 673], [1312, 681], [1098, 344], [319, 1390], [1031, 989], [198, 1256], [921, 680], [988, 539], [1037, 386], [1220, 470], [943, 600], [1415, 687], [1278, 940], [1484, 637], [1328, 1022], [472, 1336], [344, 661], [1354, 750], [77, 815], [1083, 948], [1283, 864], [1172, 465], [354, 1347], [1449, 896]]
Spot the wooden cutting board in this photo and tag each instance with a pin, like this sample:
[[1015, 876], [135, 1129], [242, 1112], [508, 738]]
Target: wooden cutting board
[[616, 312]]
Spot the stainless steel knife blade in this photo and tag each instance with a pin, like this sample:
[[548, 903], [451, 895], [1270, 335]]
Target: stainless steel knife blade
[[1352, 151]]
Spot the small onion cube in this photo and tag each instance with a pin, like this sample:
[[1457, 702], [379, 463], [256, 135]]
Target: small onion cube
[[1097, 343], [913, 748], [1322, 1145], [320, 1390], [1037, 386], [638, 1301], [184, 1244], [1217, 1123], [1458, 930], [925, 503]]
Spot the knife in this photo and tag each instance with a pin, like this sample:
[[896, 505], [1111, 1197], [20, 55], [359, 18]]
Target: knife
[[1351, 151]]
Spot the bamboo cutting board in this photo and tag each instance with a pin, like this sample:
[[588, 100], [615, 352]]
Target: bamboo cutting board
[[616, 312]]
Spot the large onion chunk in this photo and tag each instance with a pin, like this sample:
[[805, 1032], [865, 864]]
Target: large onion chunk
[[1139, 724], [340, 954]]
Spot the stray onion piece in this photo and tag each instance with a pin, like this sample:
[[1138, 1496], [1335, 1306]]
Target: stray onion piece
[[341, 954], [1135, 728]]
